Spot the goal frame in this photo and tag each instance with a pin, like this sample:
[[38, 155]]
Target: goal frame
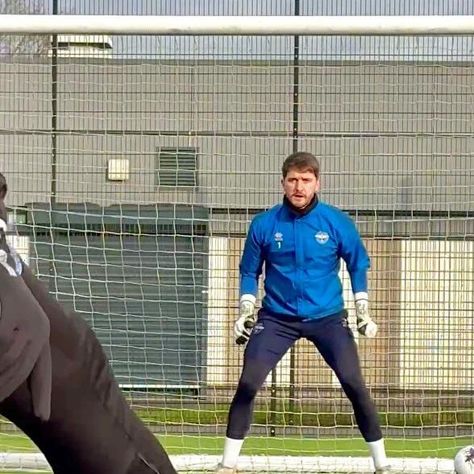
[[249, 26]]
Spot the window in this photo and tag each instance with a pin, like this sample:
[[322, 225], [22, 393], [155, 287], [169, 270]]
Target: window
[[176, 167]]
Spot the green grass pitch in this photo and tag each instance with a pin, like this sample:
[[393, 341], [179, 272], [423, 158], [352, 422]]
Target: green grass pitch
[[174, 444]]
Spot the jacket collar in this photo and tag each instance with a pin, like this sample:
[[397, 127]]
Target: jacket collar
[[294, 211]]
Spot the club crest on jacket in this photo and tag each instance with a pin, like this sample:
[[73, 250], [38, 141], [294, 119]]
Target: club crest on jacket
[[321, 237]]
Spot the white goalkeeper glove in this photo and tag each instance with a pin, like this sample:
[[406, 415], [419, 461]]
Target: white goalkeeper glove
[[365, 325], [243, 326]]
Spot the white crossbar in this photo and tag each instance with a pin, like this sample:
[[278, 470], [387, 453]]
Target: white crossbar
[[237, 25]]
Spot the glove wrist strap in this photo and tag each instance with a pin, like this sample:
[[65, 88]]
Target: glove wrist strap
[[248, 298], [361, 295]]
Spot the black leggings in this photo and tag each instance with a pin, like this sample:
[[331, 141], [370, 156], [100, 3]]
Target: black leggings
[[269, 343]]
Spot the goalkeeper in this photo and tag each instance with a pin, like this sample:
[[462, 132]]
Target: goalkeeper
[[301, 243], [56, 383]]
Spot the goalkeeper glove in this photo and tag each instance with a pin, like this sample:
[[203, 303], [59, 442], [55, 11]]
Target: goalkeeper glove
[[365, 325], [243, 326]]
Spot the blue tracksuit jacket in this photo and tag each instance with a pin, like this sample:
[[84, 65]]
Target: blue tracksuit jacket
[[302, 255]]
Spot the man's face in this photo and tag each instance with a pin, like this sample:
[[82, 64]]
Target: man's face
[[300, 186]]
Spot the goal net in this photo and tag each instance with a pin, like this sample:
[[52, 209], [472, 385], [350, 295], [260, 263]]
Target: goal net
[[135, 162]]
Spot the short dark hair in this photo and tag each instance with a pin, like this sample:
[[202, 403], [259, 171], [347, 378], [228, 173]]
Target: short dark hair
[[301, 160]]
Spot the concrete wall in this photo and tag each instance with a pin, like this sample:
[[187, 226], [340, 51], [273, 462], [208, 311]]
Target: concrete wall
[[390, 136]]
